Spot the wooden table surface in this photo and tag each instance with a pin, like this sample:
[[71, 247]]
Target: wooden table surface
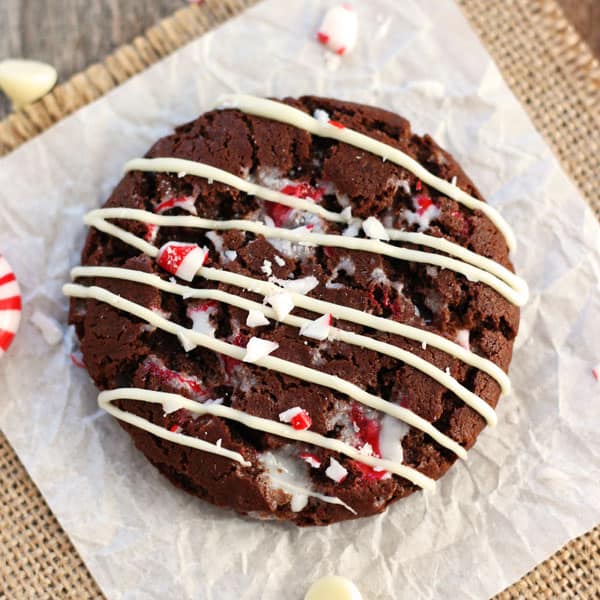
[[72, 34]]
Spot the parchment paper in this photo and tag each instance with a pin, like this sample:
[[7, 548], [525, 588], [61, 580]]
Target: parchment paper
[[530, 484]]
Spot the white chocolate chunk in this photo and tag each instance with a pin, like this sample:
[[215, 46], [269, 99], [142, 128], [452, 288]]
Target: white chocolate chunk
[[25, 81], [333, 587]]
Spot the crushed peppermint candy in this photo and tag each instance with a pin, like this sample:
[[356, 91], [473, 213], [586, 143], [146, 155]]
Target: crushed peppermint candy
[[318, 329], [339, 29], [49, 327], [200, 315], [282, 304], [336, 471], [596, 372], [181, 259], [231, 255], [256, 319], [297, 417], [280, 261], [186, 203], [299, 286], [266, 267], [311, 459], [374, 229], [258, 348], [321, 115], [462, 338]]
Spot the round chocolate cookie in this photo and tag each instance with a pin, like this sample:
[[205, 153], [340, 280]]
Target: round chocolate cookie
[[291, 356]]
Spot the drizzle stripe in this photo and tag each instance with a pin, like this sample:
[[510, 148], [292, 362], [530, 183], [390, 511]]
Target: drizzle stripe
[[339, 312], [265, 425], [348, 337], [496, 276], [270, 362], [105, 399], [283, 113]]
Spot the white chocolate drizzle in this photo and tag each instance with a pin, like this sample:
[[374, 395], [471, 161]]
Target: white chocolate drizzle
[[270, 362], [334, 333], [472, 265], [456, 258], [278, 111], [105, 400]]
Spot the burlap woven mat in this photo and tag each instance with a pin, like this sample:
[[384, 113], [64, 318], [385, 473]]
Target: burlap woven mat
[[550, 70]]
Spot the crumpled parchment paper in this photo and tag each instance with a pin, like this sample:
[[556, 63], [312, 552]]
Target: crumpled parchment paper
[[529, 485]]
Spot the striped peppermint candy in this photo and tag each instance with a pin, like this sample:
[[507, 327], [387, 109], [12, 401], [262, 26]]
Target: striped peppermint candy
[[10, 305]]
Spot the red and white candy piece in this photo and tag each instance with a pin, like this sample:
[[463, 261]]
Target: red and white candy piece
[[339, 29], [311, 459], [318, 329], [10, 305], [181, 259], [336, 471], [258, 348], [297, 417], [184, 202]]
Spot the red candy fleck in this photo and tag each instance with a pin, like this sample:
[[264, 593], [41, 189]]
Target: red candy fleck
[[151, 230], [423, 203], [337, 123], [279, 212], [76, 359], [175, 428], [183, 201], [596, 373], [341, 51], [301, 421], [175, 378], [367, 431], [312, 459], [231, 363], [419, 185], [322, 37]]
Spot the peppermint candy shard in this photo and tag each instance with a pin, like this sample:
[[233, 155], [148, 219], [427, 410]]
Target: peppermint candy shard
[[318, 329], [339, 29], [310, 459], [297, 417], [181, 259], [282, 304], [258, 348], [256, 319], [374, 229], [336, 471]]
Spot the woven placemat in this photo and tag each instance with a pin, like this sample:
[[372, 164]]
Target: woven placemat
[[556, 78]]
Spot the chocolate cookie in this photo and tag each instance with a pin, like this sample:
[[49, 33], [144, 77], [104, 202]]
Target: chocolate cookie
[[299, 310]]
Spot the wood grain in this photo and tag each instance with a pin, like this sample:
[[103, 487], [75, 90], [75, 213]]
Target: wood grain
[[72, 34]]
